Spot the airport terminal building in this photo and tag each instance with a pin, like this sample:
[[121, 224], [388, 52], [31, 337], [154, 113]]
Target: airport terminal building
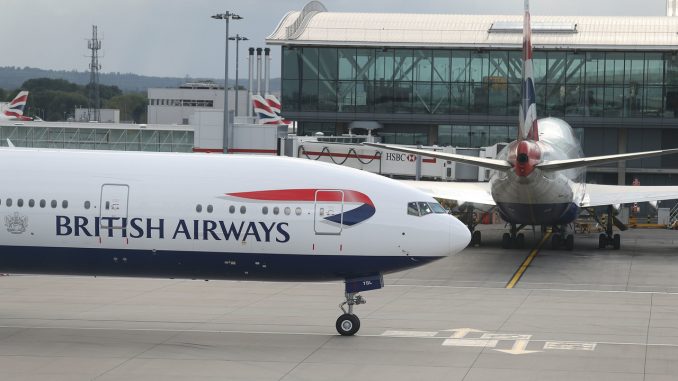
[[455, 80]]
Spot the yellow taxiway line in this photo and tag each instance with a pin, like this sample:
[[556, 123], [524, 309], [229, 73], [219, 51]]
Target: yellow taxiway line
[[526, 263]]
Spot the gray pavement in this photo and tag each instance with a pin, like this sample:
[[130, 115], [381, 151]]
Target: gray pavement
[[588, 314]]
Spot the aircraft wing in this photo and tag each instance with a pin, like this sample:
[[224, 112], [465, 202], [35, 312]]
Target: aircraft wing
[[499, 165], [478, 192], [554, 165], [599, 195]]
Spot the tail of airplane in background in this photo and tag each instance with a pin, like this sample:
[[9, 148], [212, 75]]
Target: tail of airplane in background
[[14, 110], [268, 109], [528, 127]]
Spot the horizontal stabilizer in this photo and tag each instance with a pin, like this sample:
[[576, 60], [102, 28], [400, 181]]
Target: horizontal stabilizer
[[556, 165], [499, 165]]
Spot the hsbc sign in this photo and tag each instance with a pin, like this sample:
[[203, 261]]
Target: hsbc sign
[[400, 157]]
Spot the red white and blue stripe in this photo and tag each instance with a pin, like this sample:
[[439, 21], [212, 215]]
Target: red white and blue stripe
[[363, 207], [15, 108], [268, 109]]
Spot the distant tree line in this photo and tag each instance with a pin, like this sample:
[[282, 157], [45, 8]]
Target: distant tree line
[[56, 99], [12, 77]]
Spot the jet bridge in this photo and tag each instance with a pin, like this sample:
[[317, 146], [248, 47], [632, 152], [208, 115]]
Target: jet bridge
[[347, 150]]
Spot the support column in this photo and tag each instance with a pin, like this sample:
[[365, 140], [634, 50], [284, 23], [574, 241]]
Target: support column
[[621, 148]]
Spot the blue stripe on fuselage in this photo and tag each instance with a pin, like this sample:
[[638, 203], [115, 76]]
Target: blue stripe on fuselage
[[538, 214], [198, 265]]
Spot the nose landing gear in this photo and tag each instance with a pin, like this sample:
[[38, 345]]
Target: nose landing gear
[[348, 323]]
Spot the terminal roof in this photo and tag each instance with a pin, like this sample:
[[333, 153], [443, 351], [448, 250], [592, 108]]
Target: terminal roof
[[314, 25]]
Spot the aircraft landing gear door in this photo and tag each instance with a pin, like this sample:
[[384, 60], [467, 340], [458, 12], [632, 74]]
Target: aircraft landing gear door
[[328, 212], [114, 199]]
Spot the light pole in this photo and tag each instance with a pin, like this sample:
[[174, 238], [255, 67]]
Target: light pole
[[227, 128], [237, 39]]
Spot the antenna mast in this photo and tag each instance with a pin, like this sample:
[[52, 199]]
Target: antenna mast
[[94, 101]]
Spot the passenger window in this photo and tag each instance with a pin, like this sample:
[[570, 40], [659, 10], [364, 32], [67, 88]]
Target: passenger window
[[210, 208], [64, 204], [20, 202], [31, 203], [243, 209], [276, 210], [424, 209], [412, 209], [198, 208], [231, 209], [288, 210], [8, 202], [53, 203], [108, 205], [264, 210], [43, 203], [297, 211], [87, 204]]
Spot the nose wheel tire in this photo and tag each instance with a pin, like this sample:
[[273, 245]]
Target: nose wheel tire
[[520, 241], [506, 241], [348, 324]]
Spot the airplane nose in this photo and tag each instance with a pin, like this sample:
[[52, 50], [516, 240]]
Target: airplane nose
[[460, 236]]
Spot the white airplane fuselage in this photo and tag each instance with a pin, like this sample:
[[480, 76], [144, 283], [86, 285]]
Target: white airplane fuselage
[[209, 217], [542, 197]]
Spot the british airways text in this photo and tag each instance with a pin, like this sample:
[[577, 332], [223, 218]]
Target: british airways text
[[158, 228]]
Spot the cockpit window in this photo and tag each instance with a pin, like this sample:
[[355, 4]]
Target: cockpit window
[[412, 209], [437, 208], [424, 208]]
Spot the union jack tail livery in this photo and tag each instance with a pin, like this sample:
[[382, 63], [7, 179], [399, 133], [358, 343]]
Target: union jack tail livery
[[14, 110], [528, 129], [268, 109]]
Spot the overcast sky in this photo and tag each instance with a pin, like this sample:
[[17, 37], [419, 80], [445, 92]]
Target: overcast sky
[[178, 38]]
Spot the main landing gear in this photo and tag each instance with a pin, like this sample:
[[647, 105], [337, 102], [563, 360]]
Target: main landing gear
[[348, 324], [513, 240], [608, 239], [562, 237]]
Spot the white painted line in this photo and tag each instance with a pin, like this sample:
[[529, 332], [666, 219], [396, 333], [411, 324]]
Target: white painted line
[[505, 336], [538, 289], [409, 333], [470, 343], [570, 345]]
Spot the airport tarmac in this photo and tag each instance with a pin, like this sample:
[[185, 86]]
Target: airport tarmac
[[588, 314]]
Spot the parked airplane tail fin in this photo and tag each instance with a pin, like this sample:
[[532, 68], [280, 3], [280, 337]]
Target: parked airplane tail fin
[[16, 107], [527, 128]]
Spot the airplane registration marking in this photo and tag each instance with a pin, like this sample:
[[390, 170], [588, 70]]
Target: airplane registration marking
[[526, 263]]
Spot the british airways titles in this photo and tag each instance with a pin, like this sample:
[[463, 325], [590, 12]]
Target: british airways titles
[[159, 228]]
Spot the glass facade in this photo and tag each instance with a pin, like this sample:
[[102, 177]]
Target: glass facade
[[98, 138], [468, 82]]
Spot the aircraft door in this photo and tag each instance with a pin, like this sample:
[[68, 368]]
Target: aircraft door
[[328, 212], [114, 203]]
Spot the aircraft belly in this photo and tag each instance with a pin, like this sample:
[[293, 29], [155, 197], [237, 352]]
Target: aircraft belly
[[542, 201], [199, 265]]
